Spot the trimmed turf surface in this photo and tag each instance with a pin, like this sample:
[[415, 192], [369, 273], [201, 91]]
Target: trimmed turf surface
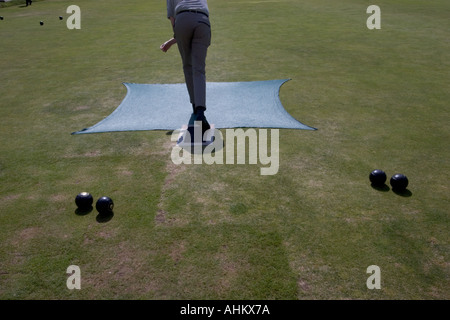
[[379, 97]]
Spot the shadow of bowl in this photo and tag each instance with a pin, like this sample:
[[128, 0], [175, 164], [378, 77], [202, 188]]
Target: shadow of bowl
[[83, 211], [403, 193], [103, 217], [383, 188]]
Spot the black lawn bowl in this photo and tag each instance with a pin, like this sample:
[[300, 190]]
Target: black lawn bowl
[[399, 182], [104, 205], [84, 201], [377, 177], [41, 23]]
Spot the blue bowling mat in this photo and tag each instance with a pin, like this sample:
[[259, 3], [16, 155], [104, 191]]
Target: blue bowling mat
[[254, 104]]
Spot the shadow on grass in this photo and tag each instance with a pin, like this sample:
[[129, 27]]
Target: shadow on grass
[[104, 217], [383, 188], [100, 218], [403, 193], [83, 212]]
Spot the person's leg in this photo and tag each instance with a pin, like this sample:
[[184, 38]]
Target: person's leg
[[193, 35], [200, 42], [183, 34]]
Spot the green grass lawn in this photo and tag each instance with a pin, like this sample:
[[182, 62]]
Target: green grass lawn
[[379, 99]]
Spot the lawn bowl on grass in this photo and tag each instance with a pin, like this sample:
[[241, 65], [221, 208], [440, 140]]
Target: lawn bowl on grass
[[377, 177], [104, 205], [84, 200], [399, 182]]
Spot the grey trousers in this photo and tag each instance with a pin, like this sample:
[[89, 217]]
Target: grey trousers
[[193, 35]]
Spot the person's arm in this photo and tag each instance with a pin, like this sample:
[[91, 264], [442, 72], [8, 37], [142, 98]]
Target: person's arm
[[166, 45]]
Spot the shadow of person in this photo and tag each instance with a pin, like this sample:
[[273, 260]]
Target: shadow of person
[[196, 139]]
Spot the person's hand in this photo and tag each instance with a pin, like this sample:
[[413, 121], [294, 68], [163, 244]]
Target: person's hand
[[166, 45]]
